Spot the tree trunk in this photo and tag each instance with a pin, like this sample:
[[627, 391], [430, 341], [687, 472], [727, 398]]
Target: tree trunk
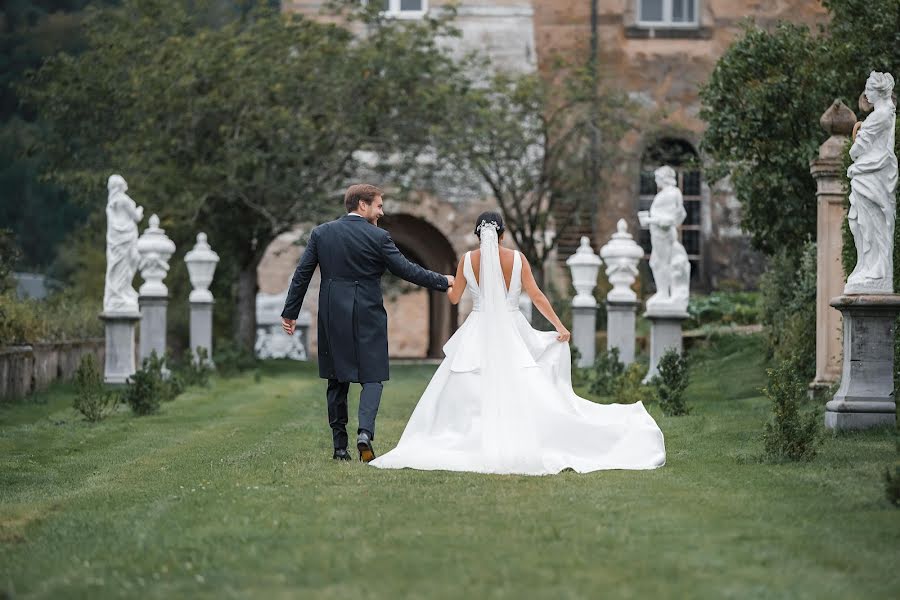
[[245, 321]]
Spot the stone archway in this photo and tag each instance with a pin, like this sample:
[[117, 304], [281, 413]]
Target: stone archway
[[422, 243]]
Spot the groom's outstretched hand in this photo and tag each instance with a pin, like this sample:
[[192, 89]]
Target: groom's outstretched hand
[[288, 325], [450, 280]]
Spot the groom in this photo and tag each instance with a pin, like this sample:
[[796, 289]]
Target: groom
[[353, 253]]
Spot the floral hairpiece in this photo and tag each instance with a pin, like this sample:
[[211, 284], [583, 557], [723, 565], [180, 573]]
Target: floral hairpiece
[[493, 224]]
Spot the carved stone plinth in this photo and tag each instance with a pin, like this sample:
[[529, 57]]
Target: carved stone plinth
[[120, 346], [153, 326], [201, 328], [620, 327], [866, 395], [665, 334], [584, 333]]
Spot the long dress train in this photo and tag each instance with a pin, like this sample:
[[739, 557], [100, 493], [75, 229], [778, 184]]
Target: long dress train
[[502, 399]]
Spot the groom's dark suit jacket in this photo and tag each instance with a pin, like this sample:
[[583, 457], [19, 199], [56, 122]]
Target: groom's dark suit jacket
[[353, 255]]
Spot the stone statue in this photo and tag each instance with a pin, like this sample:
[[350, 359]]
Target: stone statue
[[668, 258], [873, 181], [122, 257]]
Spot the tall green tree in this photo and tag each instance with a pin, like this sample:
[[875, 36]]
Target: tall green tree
[[762, 105], [243, 129], [527, 140]]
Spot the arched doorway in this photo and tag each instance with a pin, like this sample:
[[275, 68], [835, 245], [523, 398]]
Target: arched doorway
[[422, 243]]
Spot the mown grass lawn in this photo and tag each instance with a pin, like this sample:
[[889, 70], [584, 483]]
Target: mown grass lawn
[[231, 492]]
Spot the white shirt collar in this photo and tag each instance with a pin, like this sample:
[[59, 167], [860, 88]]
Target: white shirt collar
[[355, 215]]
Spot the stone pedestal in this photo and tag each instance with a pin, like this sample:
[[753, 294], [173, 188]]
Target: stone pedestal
[[201, 328], [827, 170], [665, 334], [866, 395], [120, 346], [620, 327], [153, 326], [584, 333]]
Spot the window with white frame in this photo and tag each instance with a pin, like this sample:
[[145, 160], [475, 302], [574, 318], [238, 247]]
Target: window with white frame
[[667, 13], [405, 9]]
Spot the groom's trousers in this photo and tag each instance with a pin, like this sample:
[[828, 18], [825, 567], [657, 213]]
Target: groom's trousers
[[369, 400]]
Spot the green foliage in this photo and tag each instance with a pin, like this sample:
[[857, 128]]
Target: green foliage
[[763, 101], [528, 139], [147, 388], [61, 317], [892, 484], [629, 387], [724, 308], [194, 371], [92, 399], [9, 256], [788, 308], [790, 435], [671, 382], [604, 374], [260, 115], [762, 105], [232, 359]]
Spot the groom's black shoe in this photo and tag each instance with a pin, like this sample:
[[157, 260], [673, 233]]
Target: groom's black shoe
[[364, 445], [341, 454]]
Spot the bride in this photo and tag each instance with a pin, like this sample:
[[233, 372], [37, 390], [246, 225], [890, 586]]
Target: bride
[[502, 399]]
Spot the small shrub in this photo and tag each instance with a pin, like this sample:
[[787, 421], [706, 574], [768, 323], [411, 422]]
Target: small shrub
[[629, 387], [192, 371], [232, 359], [577, 372], [892, 485], [671, 383], [196, 371], [92, 399], [605, 372], [146, 388], [790, 435]]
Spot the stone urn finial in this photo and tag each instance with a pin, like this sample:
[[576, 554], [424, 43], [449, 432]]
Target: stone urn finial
[[838, 119], [201, 263], [585, 266], [621, 255], [155, 249]]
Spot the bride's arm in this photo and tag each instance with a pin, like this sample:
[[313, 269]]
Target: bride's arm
[[540, 301], [459, 283]]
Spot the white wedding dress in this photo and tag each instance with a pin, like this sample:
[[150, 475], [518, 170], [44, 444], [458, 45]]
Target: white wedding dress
[[502, 399]]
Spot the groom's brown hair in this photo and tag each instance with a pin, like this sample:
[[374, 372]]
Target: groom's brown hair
[[361, 192]]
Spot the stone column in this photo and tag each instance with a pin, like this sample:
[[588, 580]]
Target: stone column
[[585, 266], [866, 395], [621, 256], [838, 121], [201, 263], [155, 249]]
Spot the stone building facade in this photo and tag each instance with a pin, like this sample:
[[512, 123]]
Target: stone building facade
[[660, 52]]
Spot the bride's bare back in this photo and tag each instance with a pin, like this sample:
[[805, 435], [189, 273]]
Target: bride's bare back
[[529, 285], [507, 259]]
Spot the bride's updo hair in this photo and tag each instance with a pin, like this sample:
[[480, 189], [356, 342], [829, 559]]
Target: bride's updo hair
[[489, 216]]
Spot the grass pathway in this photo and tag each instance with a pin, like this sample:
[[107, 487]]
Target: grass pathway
[[230, 492]]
